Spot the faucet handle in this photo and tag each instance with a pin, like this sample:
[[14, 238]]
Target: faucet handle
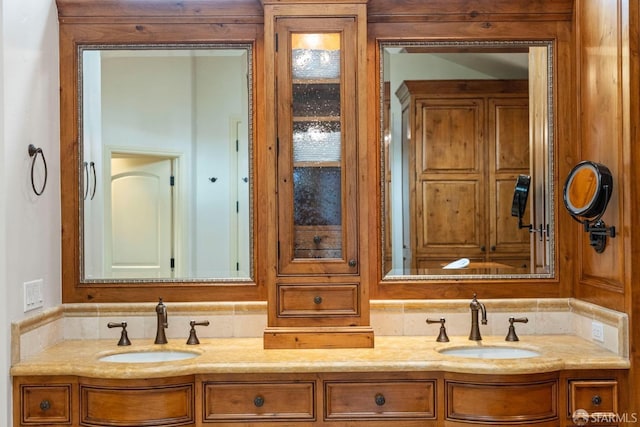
[[511, 335], [124, 338], [193, 338], [442, 336]]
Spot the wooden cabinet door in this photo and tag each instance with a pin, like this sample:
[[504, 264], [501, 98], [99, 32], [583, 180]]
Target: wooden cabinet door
[[315, 92], [316, 64], [449, 177], [165, 402]]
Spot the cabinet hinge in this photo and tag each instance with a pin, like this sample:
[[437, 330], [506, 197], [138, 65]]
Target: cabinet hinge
[[237, 206], [237, 266], [277, 145], [172, 181], [276, 41], [173, 263], [278, 250]]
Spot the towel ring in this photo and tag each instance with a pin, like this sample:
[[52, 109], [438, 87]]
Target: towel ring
[[33, 152]]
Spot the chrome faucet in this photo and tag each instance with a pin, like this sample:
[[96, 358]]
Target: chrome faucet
[[163, 322], [475, 307]]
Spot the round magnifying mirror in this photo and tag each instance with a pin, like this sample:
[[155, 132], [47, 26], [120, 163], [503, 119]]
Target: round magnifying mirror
[[588, 189]]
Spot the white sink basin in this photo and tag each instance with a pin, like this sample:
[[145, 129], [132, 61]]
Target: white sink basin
[[148, 356], [495, 352]]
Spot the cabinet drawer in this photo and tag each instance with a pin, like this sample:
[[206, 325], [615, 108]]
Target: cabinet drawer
[[259, 401], [46, 404], [322, 300], [593, 396], [170, 405], [502, 403], [380, 400], [318, 238]]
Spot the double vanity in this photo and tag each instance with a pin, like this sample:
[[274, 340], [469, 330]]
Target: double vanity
[[404, 380], [302, 225]]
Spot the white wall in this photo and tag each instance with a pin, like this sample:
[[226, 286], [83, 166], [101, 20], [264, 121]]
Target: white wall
[[221, 95], [4, 289], [29, 114]]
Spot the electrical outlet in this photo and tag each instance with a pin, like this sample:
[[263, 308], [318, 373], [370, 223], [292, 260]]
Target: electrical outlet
[[597, 331], [33, 295]]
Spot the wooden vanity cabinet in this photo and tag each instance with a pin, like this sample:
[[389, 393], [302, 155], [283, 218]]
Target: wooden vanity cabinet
[[382, 399], [45, 401], [600, 395], [502, 399], [89, 402], [315, 87], [467, 142], [258, 399], [306, 399], [164, 402]]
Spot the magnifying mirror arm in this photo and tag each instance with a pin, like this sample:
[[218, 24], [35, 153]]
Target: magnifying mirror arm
[[542, 230], [521, 204], [521, 200], [529, 226], [597, 229]]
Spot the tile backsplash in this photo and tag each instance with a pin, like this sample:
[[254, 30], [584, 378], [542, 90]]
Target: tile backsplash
[[249, 319]]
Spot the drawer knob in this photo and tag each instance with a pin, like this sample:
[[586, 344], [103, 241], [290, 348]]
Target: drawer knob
[[45, 405], [317, 300], [380, 400], [317, 239], [258, 401], [596, 400], [352, 263]]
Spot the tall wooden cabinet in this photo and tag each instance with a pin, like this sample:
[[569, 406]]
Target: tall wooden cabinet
[[315, 96], [467, 141]]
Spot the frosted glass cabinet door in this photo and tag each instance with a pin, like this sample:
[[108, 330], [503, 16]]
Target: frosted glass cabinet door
[[317, 208]]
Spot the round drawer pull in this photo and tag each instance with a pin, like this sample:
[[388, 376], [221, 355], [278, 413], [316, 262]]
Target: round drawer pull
[[596, 400], [380, 400], [258, 401], [317, 300], [45, 405], [317, 239], [352, 263]]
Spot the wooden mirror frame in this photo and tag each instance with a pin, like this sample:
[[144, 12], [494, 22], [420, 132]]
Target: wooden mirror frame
[[91, 21], [540, 262], [522, 24], [150, 23]]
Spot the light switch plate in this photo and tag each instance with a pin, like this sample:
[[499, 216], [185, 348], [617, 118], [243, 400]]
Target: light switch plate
[[597, 331], [33, 295]]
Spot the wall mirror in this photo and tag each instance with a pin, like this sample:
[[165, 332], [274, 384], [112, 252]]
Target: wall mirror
[[460, 122], [165, 163]]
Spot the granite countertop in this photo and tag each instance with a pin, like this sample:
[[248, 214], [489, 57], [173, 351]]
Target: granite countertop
[[247, 355]]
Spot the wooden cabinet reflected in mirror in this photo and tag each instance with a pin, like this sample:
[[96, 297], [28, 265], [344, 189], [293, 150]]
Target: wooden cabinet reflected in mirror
[[461, 122]]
